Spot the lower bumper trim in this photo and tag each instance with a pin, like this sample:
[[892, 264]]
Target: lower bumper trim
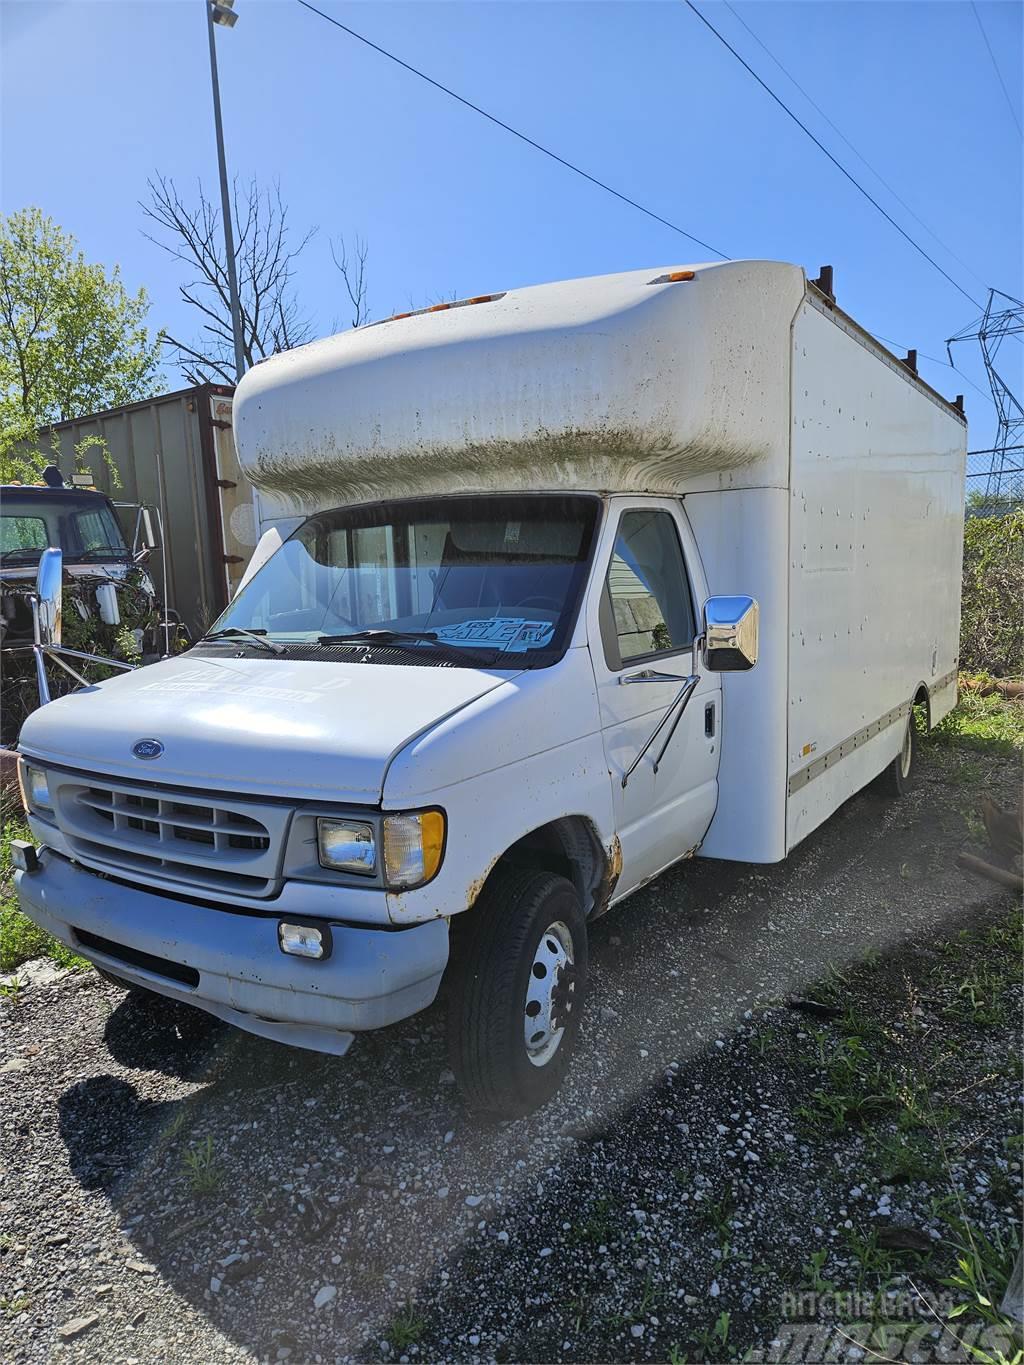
[[132, 957]]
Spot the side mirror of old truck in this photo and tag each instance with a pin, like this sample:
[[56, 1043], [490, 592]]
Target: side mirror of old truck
[[144, 542], [730, 634], [49, 581]]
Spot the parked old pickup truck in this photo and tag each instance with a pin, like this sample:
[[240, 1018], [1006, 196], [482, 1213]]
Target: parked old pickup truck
[[558, 587]]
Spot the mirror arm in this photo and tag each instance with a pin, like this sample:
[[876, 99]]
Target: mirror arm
[[682, 696], [52, 654]]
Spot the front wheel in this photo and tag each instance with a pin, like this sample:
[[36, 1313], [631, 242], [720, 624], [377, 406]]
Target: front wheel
[[514, 1012]]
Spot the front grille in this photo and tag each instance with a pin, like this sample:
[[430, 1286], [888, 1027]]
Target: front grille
[[223, 845]]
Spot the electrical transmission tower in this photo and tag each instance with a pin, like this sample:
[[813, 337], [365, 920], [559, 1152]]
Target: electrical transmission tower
[[1004, 472]]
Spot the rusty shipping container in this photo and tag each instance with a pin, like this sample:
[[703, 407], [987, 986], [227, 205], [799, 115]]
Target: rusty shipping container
[[176, 453]]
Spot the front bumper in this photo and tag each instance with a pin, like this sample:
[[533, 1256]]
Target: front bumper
[[372, 978]]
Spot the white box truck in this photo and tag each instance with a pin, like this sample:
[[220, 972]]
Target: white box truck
[[492, 666]]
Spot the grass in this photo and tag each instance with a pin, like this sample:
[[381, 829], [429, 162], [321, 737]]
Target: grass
[[407, 1326], [203, 1168], [986, 723], [20, 939]]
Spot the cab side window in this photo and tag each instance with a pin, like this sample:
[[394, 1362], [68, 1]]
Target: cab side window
[[648, 607]]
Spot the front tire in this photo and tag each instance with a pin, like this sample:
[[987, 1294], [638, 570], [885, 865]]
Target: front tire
[[514, 1012]]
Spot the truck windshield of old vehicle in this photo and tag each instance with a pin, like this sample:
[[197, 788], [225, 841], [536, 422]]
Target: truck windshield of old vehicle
[[490, 575], [82, 525]]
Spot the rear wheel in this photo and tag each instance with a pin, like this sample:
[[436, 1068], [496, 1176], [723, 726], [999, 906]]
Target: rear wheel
[[514, 1011], [897, 779]]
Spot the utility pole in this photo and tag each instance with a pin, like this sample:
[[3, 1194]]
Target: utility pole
[[223, 12]]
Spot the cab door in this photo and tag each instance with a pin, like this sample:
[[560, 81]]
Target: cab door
[[644, 616]]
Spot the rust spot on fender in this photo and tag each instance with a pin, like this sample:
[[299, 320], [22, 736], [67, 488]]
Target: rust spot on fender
[[612, 873]]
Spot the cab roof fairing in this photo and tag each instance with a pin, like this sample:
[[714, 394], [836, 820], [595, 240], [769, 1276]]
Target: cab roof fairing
[[617, 383]]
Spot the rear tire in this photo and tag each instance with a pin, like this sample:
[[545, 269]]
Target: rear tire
[[514, 1010], [898, 778]]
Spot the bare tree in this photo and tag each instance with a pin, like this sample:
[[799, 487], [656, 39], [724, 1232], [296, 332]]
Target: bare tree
[[352, 268], [265, 264]]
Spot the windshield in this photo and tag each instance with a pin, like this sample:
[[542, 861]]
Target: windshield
[[85, 528], [492, 576]]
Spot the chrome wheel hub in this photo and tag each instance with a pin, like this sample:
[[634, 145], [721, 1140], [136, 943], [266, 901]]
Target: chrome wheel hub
[[550, 995]]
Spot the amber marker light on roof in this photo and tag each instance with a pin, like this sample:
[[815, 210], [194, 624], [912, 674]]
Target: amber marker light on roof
[[674, 277]]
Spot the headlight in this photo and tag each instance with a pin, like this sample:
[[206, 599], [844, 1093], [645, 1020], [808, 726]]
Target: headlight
[[35, 788], [347, 846], [413, 845]]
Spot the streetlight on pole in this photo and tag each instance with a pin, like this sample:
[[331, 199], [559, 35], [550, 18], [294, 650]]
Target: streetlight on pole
[[223, 12]]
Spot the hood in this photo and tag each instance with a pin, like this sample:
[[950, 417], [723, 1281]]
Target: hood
[[264, 727]]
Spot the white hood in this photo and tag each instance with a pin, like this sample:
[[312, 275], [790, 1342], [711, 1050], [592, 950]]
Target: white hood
[[265, 727]]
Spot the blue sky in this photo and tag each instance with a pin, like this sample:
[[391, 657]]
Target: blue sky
[[98, 94]]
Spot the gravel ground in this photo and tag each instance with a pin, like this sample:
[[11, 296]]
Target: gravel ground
[[174, 1190]]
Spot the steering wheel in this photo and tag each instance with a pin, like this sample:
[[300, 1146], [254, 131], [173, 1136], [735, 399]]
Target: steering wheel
[[540, 600]]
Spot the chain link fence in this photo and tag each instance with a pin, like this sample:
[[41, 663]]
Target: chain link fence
[[995, 484]]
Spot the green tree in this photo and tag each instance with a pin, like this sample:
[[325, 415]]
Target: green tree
[[73, 340]]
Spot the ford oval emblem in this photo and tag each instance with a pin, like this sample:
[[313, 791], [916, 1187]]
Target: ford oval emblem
[[147, 748]]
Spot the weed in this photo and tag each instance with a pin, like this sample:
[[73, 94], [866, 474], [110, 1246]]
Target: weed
[[173, 1127], [203, 1168], [717, 1214], [902, 1159], [578, 1309], [11, 990], [716, 1337], [406, 1327], [873, 1260], [12, 1307], [979, 999], [597, 1226], [811, 1271]]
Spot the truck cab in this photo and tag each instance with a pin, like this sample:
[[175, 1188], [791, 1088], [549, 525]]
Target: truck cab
[[525, 629]]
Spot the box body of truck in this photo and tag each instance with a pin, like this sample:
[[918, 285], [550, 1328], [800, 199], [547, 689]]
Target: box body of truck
[[817, 472], [472, 700]]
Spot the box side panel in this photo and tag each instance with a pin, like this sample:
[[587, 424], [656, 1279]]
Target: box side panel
[[876, 537], [743, 538]]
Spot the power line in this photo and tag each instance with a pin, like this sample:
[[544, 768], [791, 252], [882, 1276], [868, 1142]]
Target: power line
[[530, 142], [936, 361], [995, 65], [859, 155], [821, 147]]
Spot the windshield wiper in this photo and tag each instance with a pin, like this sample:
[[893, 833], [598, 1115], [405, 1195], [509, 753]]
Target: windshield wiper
[[257, 636], [399, 638]]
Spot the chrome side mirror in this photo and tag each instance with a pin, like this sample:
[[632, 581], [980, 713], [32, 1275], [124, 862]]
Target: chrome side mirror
[[144, 540], [49, 585], [730, 634]]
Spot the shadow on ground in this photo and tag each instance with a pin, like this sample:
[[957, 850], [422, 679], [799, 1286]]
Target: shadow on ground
[[253, 1177]]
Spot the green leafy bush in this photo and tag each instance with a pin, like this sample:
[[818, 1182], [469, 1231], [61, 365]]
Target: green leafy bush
[[992, 623]]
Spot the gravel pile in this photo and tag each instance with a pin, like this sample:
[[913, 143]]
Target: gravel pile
[[174, 1190]]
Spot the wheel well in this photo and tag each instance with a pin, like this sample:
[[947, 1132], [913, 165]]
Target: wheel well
[[570, 848], [922, 697]]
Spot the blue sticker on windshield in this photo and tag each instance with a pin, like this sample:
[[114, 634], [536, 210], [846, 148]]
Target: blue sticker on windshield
[[513, 634]]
